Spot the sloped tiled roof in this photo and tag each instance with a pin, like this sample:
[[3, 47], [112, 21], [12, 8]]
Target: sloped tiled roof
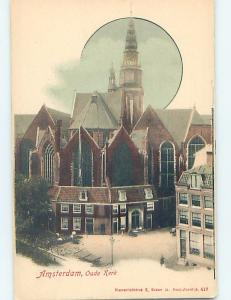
[[72, 193], [176, 121], [102, 112], [133, 193], [21, 123], [59, 115], [95, 114], [99, 194], [139, 138]]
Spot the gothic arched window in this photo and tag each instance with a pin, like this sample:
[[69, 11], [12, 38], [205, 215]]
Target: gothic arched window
[[83, 178], [25, 147], [196, 144], [167, 165], [48, 163], [122, 166]]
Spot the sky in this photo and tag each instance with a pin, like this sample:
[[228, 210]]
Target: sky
[[48, 38], [158, 55]]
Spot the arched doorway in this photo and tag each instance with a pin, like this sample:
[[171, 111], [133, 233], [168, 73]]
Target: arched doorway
[[136, 219]]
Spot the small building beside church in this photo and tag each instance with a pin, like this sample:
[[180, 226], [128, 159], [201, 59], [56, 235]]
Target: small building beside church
[[195, 212]]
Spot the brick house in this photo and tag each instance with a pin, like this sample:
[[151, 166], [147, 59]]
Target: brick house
[[195, 213], [108, 142]]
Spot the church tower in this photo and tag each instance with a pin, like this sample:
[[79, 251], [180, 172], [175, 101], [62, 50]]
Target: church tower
[[112, 80], [131, 80]]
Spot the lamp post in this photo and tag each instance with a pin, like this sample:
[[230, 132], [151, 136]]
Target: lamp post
[[112, 240]]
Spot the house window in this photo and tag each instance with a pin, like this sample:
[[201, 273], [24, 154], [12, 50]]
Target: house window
[[76, 223], [196, 181], [195, 145], [167, 165], [122, 208], [122, 223], [196, 200], [89, 208], [196, 219], [115, 209], [76, 208], [64, 223], [148, 194], [183, 217], [65, 208], [208, 247], [209, 222], [122, 195], [150, 206], [194, 243], [208, 202], [83, 196], [183, 198]]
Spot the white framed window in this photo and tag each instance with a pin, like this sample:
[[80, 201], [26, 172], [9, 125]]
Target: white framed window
[[208, 202], [115, 209], [83, 196], [122, 223], [122, 195], [122, 208], [196, 200], [150, 205], [76, 208], [196, 219], [148, 193], [183, 198], [209, 222], [89, 208], [64, 208], [64, 223], [183, 217], [76, 223]]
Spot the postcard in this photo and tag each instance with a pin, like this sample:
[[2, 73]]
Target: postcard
[[113, 149]]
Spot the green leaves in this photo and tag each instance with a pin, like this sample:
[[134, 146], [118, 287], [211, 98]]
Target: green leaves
[[31, 204]]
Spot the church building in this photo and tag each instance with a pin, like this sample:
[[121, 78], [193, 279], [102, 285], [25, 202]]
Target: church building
[[112, 166]]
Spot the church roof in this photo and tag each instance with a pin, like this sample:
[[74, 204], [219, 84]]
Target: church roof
[[176, 121], [21, 123], [97, 110], [139, 138]]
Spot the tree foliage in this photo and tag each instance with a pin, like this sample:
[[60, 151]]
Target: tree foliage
[[32, 204]]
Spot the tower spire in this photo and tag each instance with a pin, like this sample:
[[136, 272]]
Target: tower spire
[[131, 43]]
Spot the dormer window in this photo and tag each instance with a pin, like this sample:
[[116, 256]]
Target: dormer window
[[196, 181], [122, 195], [64, 208], [148, 193], [83, 196]]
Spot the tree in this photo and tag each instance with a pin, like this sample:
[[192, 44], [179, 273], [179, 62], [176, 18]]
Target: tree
[[32, 204]]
